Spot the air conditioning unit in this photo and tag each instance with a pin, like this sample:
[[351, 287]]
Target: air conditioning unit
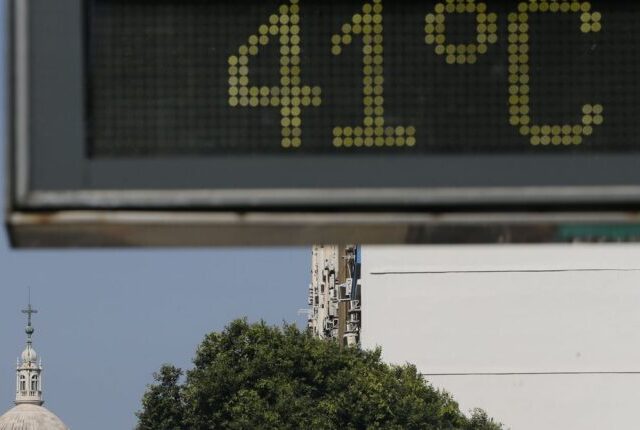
[[351, 339], [348, 287]]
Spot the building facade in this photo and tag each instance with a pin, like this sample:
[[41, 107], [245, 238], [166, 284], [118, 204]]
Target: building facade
[[541, 337], [334, 294]]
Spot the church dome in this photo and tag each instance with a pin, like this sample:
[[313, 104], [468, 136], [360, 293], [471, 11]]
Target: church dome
[[31, 417], [28, 414]]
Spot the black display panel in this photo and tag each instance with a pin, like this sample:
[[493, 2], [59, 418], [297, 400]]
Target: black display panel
[[198, 77]]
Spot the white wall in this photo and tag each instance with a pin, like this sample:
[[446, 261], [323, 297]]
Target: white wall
[[541, 337]]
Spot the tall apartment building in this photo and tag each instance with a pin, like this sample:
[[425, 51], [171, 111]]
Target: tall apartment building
[[334, 293]]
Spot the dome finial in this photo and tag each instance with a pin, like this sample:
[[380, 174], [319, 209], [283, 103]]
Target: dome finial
[[29, 383], [29, 311]]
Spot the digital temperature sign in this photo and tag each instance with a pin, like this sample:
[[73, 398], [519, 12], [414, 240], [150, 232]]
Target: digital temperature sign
[[291, 122], [357, 77]]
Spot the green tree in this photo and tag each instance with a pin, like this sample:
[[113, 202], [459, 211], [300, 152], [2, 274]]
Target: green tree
[[162, 404], [253, 376]]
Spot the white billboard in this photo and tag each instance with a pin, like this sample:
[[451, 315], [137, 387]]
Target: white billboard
[[541, 337]]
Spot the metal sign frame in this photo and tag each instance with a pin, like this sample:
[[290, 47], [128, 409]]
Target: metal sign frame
[[297, 216]]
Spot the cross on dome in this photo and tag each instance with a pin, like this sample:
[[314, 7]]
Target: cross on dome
[[29, 311]]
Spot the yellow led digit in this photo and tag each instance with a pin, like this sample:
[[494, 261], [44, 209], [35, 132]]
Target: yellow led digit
[[486, 30], [519, 75], [290, 96], [374, 132]]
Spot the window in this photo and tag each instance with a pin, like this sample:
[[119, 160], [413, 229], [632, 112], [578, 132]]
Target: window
[[23, 383], [34, 383]]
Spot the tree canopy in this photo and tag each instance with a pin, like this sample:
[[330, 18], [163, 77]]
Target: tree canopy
[[254, 376]]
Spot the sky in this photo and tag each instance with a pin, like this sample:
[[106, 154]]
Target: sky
[[108, 319]]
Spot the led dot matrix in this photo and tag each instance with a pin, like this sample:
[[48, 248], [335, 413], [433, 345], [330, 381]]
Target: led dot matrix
[[369, 25], [486, 29], [290, 96], [519, 75]]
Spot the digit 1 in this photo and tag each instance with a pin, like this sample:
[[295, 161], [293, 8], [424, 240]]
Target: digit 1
[[368, 25], [486, 31], [519, 75], [290, 96]]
